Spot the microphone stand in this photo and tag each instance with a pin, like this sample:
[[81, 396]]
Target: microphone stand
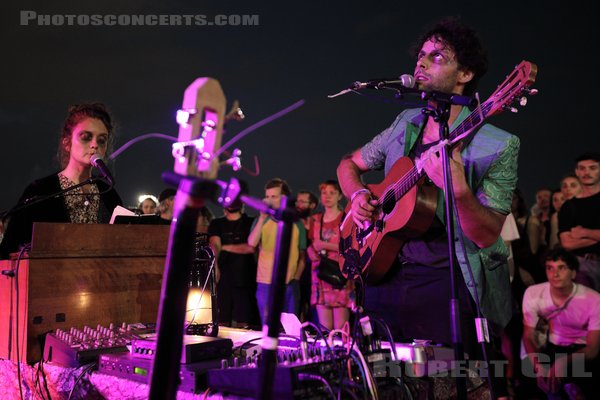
[[441, 114], [37, 199], [286, 218], [191, 196]]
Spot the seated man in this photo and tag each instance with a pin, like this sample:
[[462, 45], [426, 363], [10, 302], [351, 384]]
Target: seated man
[[573, 314]]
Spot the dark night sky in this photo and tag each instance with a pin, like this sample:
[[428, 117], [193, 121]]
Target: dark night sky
[[297, 52]]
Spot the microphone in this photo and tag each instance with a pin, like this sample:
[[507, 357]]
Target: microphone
[[405, 80], [97, 162]]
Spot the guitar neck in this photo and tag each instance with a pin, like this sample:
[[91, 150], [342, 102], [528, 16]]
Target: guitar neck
[[472, 121]]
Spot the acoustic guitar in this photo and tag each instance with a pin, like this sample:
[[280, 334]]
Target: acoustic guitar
[[406, 203]]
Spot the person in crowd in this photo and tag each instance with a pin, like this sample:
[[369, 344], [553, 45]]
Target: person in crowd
[[306, 203], [3, 225], [413, 296], [166, 200], [542, 211], [558, 198], [579, 220], [524, 252], [236, 267], [147, 206], [205, 217], [263, 235], [87, 131], [570, 187], [332, 304], [571, 313]]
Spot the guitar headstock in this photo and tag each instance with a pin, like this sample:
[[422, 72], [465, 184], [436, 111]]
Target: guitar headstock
[[514, 89], [200, 120]]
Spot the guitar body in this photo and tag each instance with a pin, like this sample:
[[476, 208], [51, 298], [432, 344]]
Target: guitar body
[[372, 251]]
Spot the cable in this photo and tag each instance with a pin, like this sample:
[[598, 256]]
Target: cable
[[205, 394], [357, 310], [313, 377], [320, 332], [350, 392], [386, 328], [362, 372], [135, 140], [333, 332], [16, 281], [39, 369], [257, 125], [369, 377], [401, 382], [86, 369]]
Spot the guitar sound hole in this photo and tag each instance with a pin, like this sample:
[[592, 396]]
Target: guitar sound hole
[[389, 203]]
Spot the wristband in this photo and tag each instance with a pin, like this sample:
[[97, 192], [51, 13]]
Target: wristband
[[359, 191]]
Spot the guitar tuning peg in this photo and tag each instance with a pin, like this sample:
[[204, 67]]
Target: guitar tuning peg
[[531, 91], [509, 108], [523, 101]]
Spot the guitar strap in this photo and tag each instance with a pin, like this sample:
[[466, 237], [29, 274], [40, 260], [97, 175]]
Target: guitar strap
[[419, 148]]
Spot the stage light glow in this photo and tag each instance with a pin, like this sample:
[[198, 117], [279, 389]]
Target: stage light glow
[[143, 197]]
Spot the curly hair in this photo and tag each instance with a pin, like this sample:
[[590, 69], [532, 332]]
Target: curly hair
[[464, 42], [78, 113]]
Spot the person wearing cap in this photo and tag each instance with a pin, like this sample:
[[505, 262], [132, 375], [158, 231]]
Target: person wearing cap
[[235, 266], [87, 132], [165, 204]]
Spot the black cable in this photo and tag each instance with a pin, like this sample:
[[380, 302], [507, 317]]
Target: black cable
[[36, 381], [23, 249], [86, 369], [318, 378], [386, 328], [320, 332], [402, 383], [358, 308], [43, 371], [351, 392]]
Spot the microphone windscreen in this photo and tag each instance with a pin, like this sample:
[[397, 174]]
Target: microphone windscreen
[[407, 80]]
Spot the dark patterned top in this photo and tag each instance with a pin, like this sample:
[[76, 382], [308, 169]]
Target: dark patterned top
[[83, 207]]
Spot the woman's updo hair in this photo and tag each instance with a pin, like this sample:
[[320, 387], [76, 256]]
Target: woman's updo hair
[[78, 113]]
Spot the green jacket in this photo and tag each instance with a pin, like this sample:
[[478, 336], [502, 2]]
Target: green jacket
[[490, 160]]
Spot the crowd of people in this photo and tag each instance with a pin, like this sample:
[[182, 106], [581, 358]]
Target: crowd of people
[[533, 273]]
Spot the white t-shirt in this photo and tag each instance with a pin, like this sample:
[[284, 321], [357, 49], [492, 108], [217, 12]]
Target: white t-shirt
[[569, 326]]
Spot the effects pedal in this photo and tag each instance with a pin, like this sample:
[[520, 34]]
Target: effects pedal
[[195, 348], [128, 366]]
